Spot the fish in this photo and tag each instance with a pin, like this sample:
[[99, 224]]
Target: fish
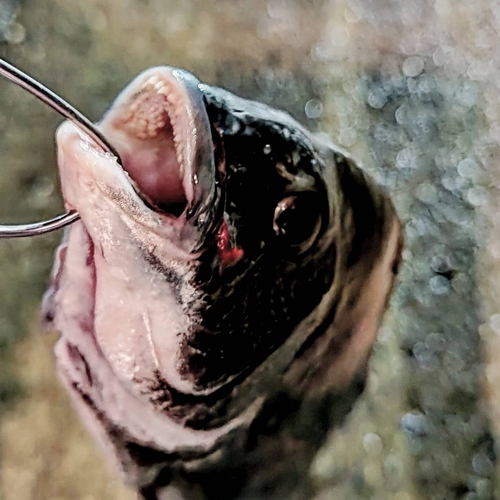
[[219, 298]]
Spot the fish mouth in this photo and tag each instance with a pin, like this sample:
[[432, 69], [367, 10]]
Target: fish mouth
[[145, 221], [160, 128]]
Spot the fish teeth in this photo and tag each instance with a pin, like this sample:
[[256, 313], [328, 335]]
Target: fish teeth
[[148, 125], [174, 114]]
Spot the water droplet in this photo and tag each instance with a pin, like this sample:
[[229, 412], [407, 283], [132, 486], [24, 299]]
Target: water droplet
[[449, 183], [322, 51], [484, 489], [372, 443], [348, 137], [415, 424], [467, 94], [477, 196], [413, 66], [427, 193], [427, 83], [467, 168], [407, 158], [439, 285], [440, 264], [494, 321], [440, 56], [377, 98], [481, 464], [16, 33], [401, 114], [313, 109], [478, 71], [267, 149]]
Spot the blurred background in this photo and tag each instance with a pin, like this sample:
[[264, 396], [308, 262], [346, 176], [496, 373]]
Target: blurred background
[[411, 89]]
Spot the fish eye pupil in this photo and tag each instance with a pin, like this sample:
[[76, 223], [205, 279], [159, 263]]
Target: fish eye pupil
[[296, 219]]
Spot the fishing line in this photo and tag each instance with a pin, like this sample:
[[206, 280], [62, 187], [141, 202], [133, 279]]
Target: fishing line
[[82, 122]]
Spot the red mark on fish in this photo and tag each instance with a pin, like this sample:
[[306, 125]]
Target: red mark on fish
[[228, 254]]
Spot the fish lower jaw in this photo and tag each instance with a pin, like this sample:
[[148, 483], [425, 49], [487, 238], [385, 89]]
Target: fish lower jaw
[[109, 204]]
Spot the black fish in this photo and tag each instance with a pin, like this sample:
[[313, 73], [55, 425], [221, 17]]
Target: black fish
[[220, 296]]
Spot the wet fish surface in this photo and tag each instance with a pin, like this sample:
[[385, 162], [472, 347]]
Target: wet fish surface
[[219, 298]]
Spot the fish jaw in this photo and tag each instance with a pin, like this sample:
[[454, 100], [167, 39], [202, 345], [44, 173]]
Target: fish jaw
[[108, 402], [143, 258], [167, 175], [95, 185], [123, 238]]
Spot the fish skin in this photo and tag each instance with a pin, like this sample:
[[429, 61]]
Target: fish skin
[[210, 353]]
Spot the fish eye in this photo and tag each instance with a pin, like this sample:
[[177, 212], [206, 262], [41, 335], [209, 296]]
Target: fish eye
[[297, 220]]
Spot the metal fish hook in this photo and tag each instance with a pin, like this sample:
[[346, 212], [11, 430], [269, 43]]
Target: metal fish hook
[[61, 106]]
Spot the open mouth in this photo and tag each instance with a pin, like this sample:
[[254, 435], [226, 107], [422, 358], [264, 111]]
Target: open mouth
[[160, 128]]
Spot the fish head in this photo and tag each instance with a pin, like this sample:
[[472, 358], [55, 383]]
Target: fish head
[[212, 227], [227, 246]]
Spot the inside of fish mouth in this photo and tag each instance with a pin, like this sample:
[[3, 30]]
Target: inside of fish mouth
[[151, 130], [160, 185], [152, 151], [169, 206]]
